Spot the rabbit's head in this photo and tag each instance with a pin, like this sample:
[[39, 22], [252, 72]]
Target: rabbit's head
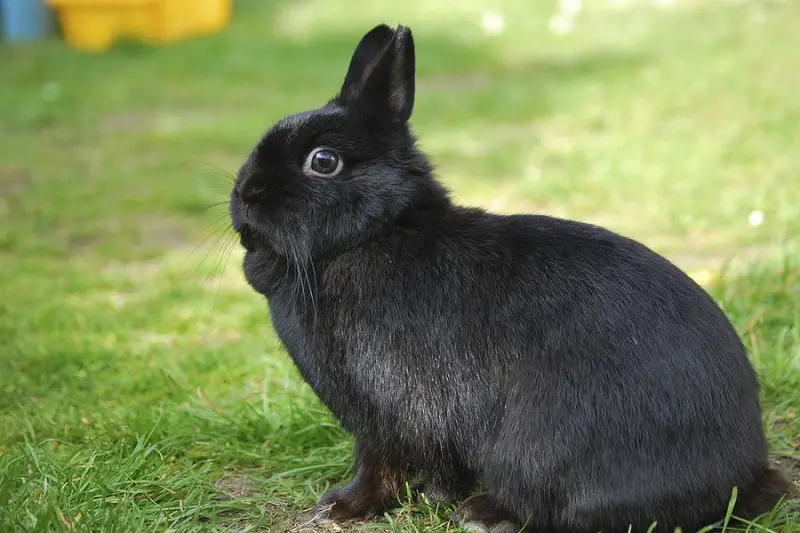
[[329, 179]]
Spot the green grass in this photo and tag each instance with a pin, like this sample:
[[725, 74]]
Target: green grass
[[142, 387]]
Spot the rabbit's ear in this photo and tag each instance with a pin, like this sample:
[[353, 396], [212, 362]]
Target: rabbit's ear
[[380, 80], [367, 54]]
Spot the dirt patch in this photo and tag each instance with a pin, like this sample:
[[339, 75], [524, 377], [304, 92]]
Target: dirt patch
[[791, 469], [13, 181], [158, 121], [83, 243], [160, 231], [125, 122], [305, 523], [140, 234], [235, 486]]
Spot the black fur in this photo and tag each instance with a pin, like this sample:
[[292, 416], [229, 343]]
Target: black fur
[[582, 380]]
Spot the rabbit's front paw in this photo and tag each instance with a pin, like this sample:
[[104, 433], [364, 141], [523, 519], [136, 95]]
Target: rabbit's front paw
[[351, 502], [375, 487]]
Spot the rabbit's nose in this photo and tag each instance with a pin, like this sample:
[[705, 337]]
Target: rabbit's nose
[[250, 192], [251, 195]]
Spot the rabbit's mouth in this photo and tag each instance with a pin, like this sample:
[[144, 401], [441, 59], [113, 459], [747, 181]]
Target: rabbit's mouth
[[242, 223], [248, 237]]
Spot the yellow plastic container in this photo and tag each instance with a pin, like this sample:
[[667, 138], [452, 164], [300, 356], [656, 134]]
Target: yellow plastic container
[[94, 25]]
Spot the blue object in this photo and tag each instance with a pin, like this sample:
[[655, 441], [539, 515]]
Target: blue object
[[25, 20]]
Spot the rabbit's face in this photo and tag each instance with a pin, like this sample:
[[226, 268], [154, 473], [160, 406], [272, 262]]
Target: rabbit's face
[[327, 179], [320, 179]]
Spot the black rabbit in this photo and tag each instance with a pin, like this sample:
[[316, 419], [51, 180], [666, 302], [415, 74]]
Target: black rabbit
[[559, 376]]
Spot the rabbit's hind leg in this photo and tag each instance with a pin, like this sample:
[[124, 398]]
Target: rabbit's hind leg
[[481, 514], [451, 483]]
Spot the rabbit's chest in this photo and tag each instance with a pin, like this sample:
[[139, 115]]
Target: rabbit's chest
[[384, 367], [322, 359], [415, 381]]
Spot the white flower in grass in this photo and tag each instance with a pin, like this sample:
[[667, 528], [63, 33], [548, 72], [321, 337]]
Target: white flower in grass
[[756, 218], [561, 24], [493, 23]]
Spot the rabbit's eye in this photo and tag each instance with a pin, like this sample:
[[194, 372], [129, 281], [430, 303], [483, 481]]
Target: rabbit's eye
[[323, 161]]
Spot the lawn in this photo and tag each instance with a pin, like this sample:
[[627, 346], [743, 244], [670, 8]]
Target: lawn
[[142, 387]]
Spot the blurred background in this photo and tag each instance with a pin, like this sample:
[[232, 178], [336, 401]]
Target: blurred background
[[141, 384]]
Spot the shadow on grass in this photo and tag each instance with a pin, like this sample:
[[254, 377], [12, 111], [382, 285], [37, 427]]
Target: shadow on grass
[[238, 67]]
